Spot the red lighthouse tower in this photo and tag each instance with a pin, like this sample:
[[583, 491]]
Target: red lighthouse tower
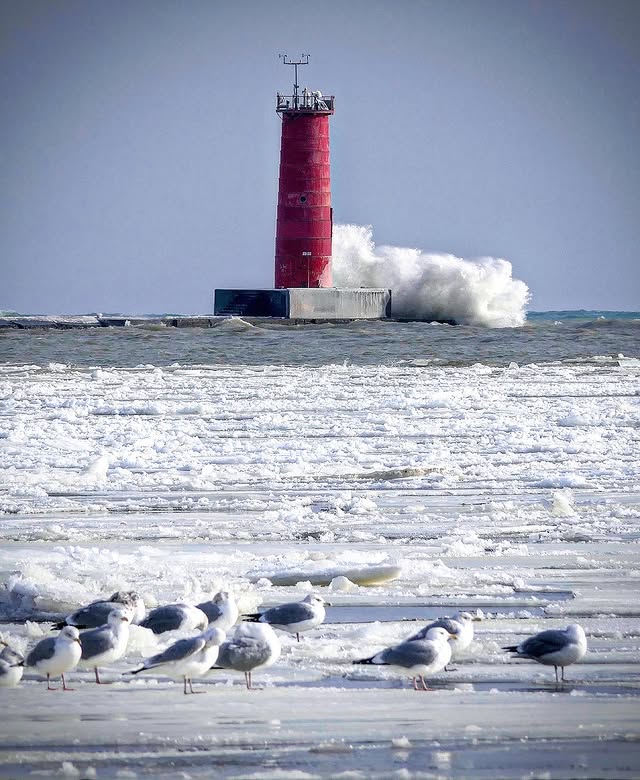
[[303, 289], [305, 218]]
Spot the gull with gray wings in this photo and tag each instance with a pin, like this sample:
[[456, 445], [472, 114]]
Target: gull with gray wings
[[186, 658], [553, 647]]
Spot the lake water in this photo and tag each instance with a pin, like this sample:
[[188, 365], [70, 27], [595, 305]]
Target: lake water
[[547, 336]]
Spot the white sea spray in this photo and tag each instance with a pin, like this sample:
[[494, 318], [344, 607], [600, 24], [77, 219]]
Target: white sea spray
[[430, 286]]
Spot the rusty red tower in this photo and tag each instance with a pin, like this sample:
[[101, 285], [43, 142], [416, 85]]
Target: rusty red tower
[[304, 224]]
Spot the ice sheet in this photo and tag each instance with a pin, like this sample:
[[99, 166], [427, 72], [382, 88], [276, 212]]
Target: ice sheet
[[512, 491]]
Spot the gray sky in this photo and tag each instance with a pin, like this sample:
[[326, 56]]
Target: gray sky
[[139, 144]]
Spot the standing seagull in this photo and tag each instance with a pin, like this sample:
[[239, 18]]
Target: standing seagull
[[460, 625], [187, 658], [253, 646], [221, 611], [172, 617], [418, 657], [96, 613], [105, 644], [295, 616], [554, 647], [11, 666], [56, 655]]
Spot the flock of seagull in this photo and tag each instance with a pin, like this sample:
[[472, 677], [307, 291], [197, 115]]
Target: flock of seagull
[[97, 635]]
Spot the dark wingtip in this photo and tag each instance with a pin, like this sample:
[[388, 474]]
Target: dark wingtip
[[154, 627], [511, 648], [363, 661], [254, 617], [58, 626]]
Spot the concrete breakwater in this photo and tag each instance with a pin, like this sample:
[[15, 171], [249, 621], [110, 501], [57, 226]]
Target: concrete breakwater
[[71, 321], [76, 322]]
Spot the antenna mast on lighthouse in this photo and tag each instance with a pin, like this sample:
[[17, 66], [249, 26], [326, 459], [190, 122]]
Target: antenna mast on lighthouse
[[304, 60]]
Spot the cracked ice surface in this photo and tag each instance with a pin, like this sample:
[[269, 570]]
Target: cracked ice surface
[[514, 491]]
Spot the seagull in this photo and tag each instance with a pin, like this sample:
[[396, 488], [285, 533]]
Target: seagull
[[253, 646], [9, 655], [417, 656], [221, 611], [11, 666], [461, 625], [10, 674], [56, 655], [187, 658], [172, 617], [105, 644], [295, 616], [554, 647], [96, 613]]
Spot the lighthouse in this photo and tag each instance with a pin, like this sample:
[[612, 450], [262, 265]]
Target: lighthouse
[[304, 225], [303, 284]]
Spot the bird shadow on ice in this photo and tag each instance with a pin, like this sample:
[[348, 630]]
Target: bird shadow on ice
[[577, 688]]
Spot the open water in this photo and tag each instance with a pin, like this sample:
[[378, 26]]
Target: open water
[[547, 336]]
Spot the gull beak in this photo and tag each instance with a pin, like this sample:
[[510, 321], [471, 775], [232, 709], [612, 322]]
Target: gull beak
[[453, 636], [124, 619], [477, 619], [78, 641]]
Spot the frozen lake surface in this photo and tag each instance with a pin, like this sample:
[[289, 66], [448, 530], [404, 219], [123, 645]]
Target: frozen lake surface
[[503, 485]]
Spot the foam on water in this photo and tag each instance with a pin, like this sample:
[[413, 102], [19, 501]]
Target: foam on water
[[430, 286]]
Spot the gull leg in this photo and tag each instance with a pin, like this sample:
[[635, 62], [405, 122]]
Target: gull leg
[[415, 683], [556, 671], [297, 636], [64, 684], [191, 687], [184, 680], [49, 688]]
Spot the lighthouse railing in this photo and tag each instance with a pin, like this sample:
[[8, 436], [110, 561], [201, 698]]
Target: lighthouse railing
[[309, 102]]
